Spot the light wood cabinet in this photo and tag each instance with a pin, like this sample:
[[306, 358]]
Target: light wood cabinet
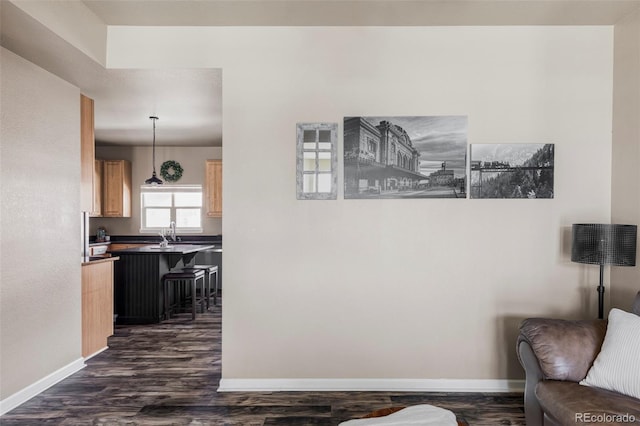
[[97, 306], [97, 188], [116, 188], [87, 154], [214, 188]]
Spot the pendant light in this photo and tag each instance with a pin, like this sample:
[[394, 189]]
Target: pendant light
[[154, 180]]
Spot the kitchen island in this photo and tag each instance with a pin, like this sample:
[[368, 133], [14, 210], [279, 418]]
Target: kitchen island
[[139, 294]]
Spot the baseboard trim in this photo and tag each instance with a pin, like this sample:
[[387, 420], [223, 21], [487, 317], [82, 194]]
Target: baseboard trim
[[99, 351], [41, 385], [389, 385]]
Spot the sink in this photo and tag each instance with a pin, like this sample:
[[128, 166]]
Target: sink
[[158, 247]]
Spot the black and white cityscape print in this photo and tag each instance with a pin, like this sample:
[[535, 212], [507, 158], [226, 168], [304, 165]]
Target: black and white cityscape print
[[511, 170], [405, 157]]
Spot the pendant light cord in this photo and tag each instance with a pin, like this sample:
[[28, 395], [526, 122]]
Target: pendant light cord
[[153, 180], [154, 144]]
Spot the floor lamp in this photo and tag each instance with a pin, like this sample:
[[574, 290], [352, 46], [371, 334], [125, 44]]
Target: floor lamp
[[604, 244]]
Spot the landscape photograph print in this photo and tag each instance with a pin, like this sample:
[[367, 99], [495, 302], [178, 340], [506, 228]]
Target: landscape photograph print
[[512, 171], [405, 157]]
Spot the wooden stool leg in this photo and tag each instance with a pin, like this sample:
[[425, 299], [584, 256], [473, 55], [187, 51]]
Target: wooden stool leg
[[207, 295], [204, 293], [193, 299], [166, 299], [215, 290]]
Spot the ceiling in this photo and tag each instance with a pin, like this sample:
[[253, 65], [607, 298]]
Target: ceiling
[[360, 12], [188, 102]]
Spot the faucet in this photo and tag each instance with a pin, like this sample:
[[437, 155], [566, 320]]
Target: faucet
[[164, 243], [172, 232]]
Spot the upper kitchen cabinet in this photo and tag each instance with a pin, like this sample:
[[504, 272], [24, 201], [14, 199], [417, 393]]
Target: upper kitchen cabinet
[[214, 188], [90, 168], [87, 154], [97, 188], [116, 187]]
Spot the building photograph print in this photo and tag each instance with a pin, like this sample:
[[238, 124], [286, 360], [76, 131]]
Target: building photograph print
[[512, 170], [405, 157]]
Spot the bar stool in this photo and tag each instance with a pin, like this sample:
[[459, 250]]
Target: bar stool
[[191, 277], [210, 270]]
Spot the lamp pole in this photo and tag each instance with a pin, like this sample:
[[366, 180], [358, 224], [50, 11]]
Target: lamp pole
[[601, 293]]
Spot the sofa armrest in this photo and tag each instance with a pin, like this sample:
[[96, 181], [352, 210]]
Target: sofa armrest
[[555, 350], [565, 350], [533, 374], [635, 308]]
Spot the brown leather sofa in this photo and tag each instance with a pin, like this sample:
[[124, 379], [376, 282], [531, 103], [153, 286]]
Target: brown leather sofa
[[556, 354]]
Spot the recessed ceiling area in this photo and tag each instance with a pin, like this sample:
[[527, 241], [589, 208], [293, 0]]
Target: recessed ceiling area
[[187, 102], [360, 12]]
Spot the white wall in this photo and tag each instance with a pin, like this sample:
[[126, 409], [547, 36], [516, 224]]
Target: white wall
[[396, 288], [73, 21], [191, 159], [40, 319], [625, 181]]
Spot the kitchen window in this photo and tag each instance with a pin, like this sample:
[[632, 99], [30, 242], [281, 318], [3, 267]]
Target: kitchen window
[[160, 205]]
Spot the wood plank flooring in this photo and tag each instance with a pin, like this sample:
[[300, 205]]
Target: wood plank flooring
[[167, 374]]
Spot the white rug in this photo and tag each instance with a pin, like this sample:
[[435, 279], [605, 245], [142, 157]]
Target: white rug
[[417, 415]]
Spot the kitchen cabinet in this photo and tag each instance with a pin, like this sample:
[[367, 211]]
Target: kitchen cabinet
[[97, 188], [87, 154], [97, 305], [214, 188], [116, 187]]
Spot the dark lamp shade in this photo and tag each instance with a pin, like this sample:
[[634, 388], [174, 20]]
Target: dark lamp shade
[[604, 244], [153, 180]]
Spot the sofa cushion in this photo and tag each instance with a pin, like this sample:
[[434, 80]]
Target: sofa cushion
[[617, 366], [570, 403]]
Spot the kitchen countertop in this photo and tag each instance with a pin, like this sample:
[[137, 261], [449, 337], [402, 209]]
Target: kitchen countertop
[[155, 239], [171, 249], [99, 259], [99, 243]]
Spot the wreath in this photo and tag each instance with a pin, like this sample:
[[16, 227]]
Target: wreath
[[171, 171]]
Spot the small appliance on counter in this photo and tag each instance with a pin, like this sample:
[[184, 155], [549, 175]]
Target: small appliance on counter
[[99, 250], [90, 249], [101, 235]]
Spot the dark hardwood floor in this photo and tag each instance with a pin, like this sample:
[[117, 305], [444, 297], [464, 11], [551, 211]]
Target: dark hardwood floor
[[167, 374]]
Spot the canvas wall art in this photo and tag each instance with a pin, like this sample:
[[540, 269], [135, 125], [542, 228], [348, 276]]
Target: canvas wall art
[[512, 170], [405, 157]]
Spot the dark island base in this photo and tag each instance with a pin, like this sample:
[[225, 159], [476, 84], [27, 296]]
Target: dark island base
[[138, 290], [139, 295]]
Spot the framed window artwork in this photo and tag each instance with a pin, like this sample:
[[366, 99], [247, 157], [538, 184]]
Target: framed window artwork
[[316, 162]]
